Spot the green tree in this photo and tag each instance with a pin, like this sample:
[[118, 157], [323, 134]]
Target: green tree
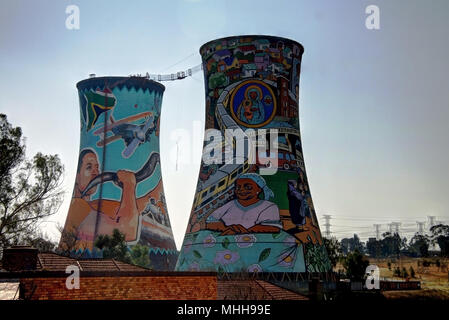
[[419, 245], [30, 190], [333, 249], [440, 236], [355, 264], [352, 244], [374, 247], [404, 273], [114, 247], [392, 244], [412, 272], [140, 256], [41, 242]]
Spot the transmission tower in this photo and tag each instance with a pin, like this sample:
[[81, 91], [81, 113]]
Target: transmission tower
[[377, 226], [327, 233], [431, 221], [395, 226], [420, 227]]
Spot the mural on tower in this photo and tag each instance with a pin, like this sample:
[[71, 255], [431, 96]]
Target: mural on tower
[[118, 183], [242, 219]]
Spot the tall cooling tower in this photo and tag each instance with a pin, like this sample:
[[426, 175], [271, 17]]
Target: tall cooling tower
[[253, 210], [118, 182]]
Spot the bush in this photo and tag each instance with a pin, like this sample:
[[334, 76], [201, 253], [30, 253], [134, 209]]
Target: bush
[[355, 265], [404, 273], [412, 272]]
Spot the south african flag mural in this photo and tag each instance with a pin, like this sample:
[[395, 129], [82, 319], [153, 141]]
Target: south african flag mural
[[98, 102]]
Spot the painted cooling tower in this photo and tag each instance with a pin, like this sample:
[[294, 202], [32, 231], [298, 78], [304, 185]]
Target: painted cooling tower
[[244, 218], [118, 181]]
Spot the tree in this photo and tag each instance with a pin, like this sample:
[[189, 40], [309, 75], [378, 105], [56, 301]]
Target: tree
[[440, 236], [374, 247], [355, 265], [419, 245], [404, 273], [140, 256], [30, 190], [114, 247], [397, 272], [352, 244], [392, 244], [412, 272], [333, 249], [41, 242]]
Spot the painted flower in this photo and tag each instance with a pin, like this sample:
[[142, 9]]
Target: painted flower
[[245, 240], [194, 266], [286, 259], [226, 257], [255, 268], [209, 241], [290, 241]]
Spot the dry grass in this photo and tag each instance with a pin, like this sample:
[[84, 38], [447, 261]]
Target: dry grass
[[434, 280], [423, 294]]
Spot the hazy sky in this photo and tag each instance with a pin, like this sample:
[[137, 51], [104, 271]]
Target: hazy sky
[[374, 104]]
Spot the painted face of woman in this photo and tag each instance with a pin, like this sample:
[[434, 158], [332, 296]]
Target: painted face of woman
[[246, 189]]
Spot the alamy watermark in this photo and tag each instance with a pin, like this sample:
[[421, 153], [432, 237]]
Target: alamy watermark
[[72, 22], [230, 146], [372, 21], [73, 280], [373, 277]]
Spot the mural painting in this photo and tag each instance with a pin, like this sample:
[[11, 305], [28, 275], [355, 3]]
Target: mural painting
[[241, 219], [118, 183]]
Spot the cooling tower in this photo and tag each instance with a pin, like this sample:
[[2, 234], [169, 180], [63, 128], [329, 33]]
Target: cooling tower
[[252, 210], [118, 181]]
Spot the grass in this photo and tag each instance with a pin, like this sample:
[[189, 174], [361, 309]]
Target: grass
[[434, 280]]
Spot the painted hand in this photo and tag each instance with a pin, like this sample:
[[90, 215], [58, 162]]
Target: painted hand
[[234, 229], [127, 178]]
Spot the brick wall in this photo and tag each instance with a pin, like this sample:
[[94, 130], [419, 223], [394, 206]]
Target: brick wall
[[122, 288]]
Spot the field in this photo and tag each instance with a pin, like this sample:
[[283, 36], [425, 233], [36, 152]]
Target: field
[[434, 277]]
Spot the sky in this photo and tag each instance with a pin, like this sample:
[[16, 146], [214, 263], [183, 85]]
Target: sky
[[374, 104]]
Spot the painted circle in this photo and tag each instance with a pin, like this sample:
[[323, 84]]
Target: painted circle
[[240, 98]]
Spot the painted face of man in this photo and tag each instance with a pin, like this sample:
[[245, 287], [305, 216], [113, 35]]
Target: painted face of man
[[88, 171], [246, 189]]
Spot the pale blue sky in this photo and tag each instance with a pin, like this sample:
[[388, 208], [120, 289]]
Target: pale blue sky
[[374, 104]]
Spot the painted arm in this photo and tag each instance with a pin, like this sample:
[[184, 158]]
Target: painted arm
[[216, 226], [127, 217], [294, 193], [260, 228]]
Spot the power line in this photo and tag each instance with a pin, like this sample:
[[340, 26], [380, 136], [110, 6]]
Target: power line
[[431, 221], [327, 217], [377, 227]]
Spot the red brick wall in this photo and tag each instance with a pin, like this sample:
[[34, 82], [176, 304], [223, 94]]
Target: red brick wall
[[122, 288]]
